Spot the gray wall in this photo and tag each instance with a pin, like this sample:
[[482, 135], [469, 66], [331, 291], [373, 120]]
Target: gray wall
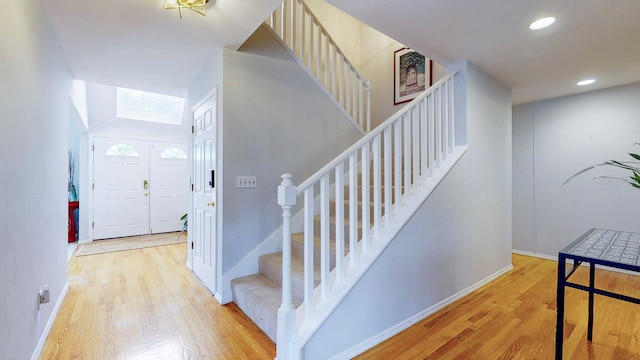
[[275, 119], [554, 139], [460, 235], [34, 111]]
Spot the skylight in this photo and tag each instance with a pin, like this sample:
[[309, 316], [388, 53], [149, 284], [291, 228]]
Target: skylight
[[147, 106]]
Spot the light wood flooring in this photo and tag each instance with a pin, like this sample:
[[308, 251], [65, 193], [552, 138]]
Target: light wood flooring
[[144, 304], [514, 317]]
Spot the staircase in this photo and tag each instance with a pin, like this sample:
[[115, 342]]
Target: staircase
[[355, 205], [405, 158], [260, 295]]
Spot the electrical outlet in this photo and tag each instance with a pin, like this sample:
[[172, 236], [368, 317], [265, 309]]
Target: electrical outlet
[[246, 182], [44, 295]]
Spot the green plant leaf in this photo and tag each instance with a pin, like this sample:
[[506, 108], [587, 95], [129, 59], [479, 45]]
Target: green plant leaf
[[635, 156]]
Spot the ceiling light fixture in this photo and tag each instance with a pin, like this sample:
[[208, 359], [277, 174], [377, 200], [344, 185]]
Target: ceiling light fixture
[[542, 23], [199, 6], [585, 82]]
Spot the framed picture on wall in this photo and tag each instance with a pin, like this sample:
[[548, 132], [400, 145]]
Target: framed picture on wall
[[411, 75]]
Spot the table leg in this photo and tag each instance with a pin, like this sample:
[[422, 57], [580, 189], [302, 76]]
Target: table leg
[[560, 307], [592, 282]]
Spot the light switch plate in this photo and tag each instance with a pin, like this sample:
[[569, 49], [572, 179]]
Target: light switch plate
[[246, 182]]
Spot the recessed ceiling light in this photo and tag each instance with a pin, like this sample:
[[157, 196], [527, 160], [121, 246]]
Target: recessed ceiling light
[[542, 23], [585, 82]]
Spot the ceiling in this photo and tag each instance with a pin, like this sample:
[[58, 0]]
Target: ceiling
[[590, 38], [141, 45]]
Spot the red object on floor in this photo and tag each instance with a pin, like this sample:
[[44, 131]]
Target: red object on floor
[[72, 223]]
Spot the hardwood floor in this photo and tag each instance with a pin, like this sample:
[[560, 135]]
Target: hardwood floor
[[144, 304], [514, 317]]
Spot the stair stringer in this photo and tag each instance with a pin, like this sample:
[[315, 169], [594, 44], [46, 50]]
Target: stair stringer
[[307, 327]]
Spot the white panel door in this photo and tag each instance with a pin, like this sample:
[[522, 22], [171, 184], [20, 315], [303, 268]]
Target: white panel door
[[169, 186], [121, 201], [203, 220]]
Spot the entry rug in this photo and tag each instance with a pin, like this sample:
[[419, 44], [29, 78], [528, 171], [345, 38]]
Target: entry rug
[[130, 243]]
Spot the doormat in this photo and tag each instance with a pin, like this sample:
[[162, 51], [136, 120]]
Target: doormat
[[130, 243]]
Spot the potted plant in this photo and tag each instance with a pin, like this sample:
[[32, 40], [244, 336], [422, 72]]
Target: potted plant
[[633, 166]]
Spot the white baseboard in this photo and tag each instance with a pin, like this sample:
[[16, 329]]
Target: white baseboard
[[532, 254], [555, 258], [49, 325], [84, 241], [396, 329]]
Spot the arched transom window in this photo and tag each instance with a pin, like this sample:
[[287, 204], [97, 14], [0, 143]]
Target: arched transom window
[[125, 150], [173, 153]]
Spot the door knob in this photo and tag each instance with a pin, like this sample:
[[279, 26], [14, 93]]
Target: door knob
[[212, 204]]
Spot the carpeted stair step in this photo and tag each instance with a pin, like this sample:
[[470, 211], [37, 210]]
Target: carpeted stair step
[[371, 191], [332, 227], [297, 248], [260, 298], [332, 207], [271, 268]]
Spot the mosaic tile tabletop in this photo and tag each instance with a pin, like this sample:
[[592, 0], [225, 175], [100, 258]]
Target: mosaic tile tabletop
[[616, 246]]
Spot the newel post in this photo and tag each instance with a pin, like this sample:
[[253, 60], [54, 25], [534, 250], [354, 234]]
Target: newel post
[[286, 314]]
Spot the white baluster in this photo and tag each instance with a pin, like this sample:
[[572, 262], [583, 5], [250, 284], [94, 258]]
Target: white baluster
[[452, 113], [308, 251], [353, 207], [406, 125], [438, 119], [333, 71], [283, 35], [325, 266], [364, 153], [326, 61], [397, 160], [368, 90], [424, 130], [387, 175], [339, 211], [376, 186], [445, 121], [319, 51], [415, 144]]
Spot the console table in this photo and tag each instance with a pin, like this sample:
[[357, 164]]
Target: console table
[[616, 249]]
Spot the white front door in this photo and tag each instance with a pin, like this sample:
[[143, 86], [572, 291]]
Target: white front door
[[121, 201], [203, 224], [169, 186]]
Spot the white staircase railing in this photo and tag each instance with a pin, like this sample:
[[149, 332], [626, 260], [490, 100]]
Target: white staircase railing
[[397, 157], [300, 30]]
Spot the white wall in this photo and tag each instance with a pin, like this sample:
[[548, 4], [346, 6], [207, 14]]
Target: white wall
[[460, 236], [34, 111], [554, 139]]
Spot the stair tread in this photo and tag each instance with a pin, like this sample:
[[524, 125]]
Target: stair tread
[[260, 298], [297, 265], [299, 237]]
